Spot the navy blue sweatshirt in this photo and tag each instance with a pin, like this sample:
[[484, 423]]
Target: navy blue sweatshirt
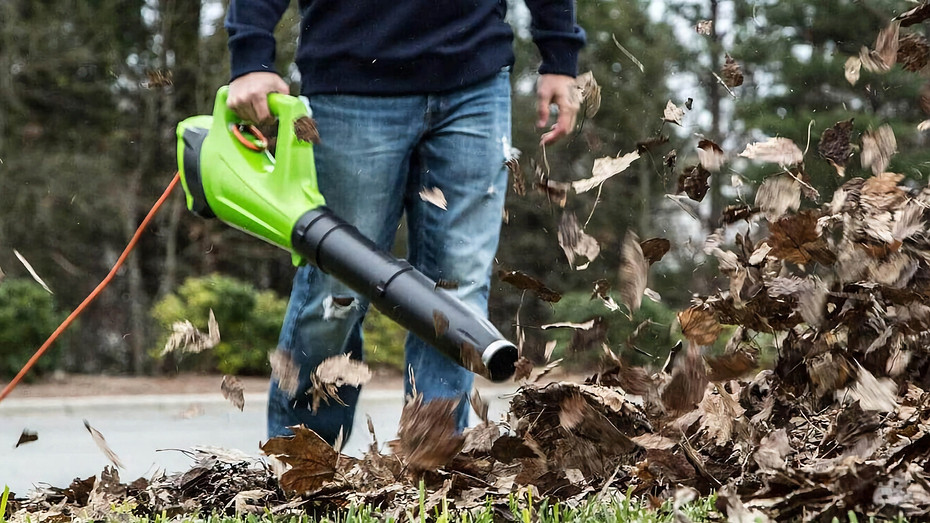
[[392, 47]]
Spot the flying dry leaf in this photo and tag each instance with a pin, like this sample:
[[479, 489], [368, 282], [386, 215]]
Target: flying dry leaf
[[186, 338], [525, 282], [886, 44], [835, 147], [719, 411], [673, 114], [602, 291], [572, 411], [704, 27], [871, 393], [654, 441], [710, 155], [731, 365], [913, 52], [921, 127], [285, 370], [851, 69], [670, 159], [693, 182], [27, 436], [234, 391], [427, 436], [655, 248], [434, 196], [305, 130], [590, 93], [650, 143], [440, 323], [575, 243], [633, 272], [735, 213], [524, 369], [914, 15], [878, 147], [605, 168], [778, 150], [32, 272], [699, 326], [796, 239], [569, 325], [686, 387], [557, 192], [777, 195], [732, 73], [102, 445], [312, 460], [342, 370]]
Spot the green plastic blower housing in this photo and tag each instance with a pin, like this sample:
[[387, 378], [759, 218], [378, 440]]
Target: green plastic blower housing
[[228, 172]]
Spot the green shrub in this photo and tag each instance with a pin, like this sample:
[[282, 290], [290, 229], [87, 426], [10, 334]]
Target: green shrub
[[249, 321], [655, 338], [28, 315], [384, 341]]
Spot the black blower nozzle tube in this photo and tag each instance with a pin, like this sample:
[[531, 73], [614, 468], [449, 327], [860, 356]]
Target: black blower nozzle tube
[[404, 294]]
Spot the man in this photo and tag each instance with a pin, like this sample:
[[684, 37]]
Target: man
[[407, 95]]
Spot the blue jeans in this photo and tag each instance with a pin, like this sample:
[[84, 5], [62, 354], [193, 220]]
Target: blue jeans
[[376, 155]]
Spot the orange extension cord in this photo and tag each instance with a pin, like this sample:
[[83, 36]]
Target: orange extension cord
[[93, 295]]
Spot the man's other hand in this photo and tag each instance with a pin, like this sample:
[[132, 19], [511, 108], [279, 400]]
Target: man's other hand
[[561, 91], [248, 96]]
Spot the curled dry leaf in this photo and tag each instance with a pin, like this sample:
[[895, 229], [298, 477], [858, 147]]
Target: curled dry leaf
[[312, 460], [603, 169], [777, 195], [633, 272], [913, 16], [557, 192], [686, 387], [427, 436], [732, 365], [913, 52], [732, 73], [699, 326], [305, 130], [186, 338], [778, 150], [602, 291], [796, 239], [234, 391], [342, 370], [590, 93], [572, 411], [576, 243], [650, 143], [27, 436], [285, 370], [835, 147], [704, 27], [852, 68], [878, 147], [735, 213], [32, 272], [102, 445], [434, 196], [440, 323], [525, 282], [524, 369], [710, 155], [654, 249], [673, 114], [693, 182]]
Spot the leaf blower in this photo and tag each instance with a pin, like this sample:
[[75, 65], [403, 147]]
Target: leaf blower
[[228, 172]]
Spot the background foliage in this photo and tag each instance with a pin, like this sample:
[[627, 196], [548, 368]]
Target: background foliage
[[90, 93]]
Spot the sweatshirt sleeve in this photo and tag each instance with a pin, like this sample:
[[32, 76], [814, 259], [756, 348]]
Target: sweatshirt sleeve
[[250, 25], [557, 35]]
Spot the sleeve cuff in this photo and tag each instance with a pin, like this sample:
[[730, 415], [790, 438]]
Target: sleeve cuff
[[559, 51], [248, 55]]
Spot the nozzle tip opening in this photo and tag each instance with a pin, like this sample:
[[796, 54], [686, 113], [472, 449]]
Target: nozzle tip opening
[[500, 358]]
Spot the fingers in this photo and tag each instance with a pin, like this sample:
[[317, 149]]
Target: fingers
[[558, 90], [248, 96]]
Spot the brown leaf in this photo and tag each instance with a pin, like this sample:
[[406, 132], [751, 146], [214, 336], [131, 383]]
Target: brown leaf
[[434, 196], [525, 282], [731, 366], [312, 460], [673, 114], [699, 326], [878, 147], [670, 159], [305, 130], [427, 436], [795, 239], [732, 73], [835, 147], [524, 369], [633, 272], [440, 323], [102, 445], [772, 451], [557, 192], [734, 213], [710, 155], [777, 195], [602, 291], [914, 15], [778, 150], [27, 436], [719, 411], [479, 405], [285, 371], [652, 142], [342, 370], [590, 93], [704, 27], [654, 441], [185, 337], [575, 243], [693, 182], [572, 411], [471, 359], [604, 169], [686, 387], [654, 249], [913, 52], [232, 390], [519, 180]]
